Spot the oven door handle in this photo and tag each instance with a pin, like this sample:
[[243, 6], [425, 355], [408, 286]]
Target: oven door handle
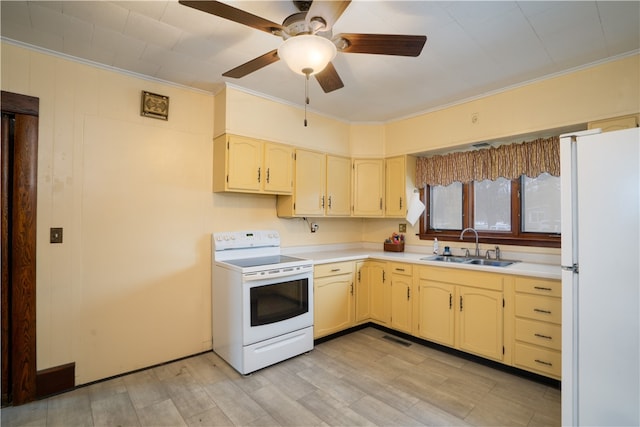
[[277, 273]]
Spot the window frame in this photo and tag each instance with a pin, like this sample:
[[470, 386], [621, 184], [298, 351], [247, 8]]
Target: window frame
[[514, 237]]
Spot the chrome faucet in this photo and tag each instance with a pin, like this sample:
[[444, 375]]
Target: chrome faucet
[[476, 233]]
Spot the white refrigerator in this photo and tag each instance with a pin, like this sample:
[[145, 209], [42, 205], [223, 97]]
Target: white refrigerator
[[600, 190]]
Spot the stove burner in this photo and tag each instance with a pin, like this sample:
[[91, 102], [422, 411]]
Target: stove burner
[[260, 261]]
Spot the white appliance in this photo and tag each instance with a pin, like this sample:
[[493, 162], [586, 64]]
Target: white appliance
[[600, 190], [262, 301]]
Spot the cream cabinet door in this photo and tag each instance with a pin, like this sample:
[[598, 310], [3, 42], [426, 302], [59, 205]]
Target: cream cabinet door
[[277, 176], [338, 195], [380, 288], [368, 187], [401, 288], [363, 291], [310, 181], [481, 322], [244, 163], [333, 298], [437, 312], [395, 187]]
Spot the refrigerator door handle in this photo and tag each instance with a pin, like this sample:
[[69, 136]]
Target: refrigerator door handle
[[573, 268]]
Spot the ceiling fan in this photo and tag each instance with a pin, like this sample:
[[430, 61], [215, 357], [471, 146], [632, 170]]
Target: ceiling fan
[[308, 30]]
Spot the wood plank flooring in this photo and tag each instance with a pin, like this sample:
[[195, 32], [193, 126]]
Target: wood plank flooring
[[359, 379]]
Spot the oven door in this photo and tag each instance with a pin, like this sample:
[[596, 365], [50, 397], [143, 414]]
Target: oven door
[[276, 306]]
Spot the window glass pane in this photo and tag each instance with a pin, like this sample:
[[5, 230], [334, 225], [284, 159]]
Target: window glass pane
[[445, 207], [492, 205], [541, 204]]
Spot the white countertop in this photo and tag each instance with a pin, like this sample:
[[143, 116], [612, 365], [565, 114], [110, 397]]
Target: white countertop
[[548, 271]]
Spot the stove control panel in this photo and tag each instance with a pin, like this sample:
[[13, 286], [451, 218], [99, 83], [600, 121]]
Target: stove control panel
[[245, 239]]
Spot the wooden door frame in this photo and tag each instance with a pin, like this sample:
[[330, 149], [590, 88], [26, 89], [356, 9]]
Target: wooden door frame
[[23, 247]]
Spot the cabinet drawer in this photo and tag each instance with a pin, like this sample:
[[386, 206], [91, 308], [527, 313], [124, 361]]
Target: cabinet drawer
[[333, 269], [534, 307], [538, 359], [539, 333], [406, 269], [532, 285]]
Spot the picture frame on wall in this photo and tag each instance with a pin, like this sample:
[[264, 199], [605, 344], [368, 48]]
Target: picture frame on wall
[[154, 105]]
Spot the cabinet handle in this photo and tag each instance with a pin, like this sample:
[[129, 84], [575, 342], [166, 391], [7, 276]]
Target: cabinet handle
[[329, 202], [542, 362], [460, 302], [546, 337], [351, 288], [399, 269], [383, 276], [408, 293], [268, 169], [334, 270], [400, 202], [258, 174], [322, 202], [450, 301], [380, 203], [541, 288], [359, 277], [539, 310]]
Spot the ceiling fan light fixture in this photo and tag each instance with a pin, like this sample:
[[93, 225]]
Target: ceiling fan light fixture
[[307, 52]]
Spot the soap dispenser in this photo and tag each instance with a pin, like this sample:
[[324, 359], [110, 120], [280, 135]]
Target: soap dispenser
[[435, 246]]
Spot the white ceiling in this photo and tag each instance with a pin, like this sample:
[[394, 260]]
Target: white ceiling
[[472, 48]]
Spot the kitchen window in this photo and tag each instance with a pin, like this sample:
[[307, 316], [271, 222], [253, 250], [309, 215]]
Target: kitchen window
[[524, 211]]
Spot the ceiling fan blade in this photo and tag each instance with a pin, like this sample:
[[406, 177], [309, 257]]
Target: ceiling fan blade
[[383, 44], [329, 79], [233, 14], [253, 65], [328, 10]]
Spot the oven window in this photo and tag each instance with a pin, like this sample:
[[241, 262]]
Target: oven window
[[279, 301]]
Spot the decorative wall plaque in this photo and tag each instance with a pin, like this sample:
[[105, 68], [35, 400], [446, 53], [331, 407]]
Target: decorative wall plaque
[[154, 105]]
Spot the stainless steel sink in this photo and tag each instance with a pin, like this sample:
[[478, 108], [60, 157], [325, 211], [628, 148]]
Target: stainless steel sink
[[491, 262], [470, 260]]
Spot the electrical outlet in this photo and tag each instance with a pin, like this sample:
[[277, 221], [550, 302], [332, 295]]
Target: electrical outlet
[[402, 228], [55, 235]]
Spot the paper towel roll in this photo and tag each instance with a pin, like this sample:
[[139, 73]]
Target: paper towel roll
[[416, 207]]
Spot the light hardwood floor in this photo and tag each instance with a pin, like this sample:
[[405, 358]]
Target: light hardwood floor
[[357, 379]]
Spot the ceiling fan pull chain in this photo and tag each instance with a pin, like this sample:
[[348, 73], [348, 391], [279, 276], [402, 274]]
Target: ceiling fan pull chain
[[306, 72]]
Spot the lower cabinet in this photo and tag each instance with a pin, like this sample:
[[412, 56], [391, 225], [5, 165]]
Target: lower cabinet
[[462, 309], [537, 324], [514, 320], [401, 289], [334, 298]]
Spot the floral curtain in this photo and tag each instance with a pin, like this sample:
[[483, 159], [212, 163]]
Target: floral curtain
[[507, 161]]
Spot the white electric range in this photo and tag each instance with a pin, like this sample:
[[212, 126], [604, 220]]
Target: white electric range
[[262, 301]]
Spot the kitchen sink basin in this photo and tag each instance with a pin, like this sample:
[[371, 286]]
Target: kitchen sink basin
[[447, 258], [491, 262], [470, 260]]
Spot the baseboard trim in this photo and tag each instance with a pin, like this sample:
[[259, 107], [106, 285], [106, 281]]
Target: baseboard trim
[[55, 380]]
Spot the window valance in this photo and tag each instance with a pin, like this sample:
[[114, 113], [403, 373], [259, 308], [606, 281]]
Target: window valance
[[507, 161]]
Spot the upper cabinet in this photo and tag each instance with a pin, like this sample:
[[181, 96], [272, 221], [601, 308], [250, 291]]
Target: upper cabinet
[[399, 180], [248, 165], [322, 186], [368, 187]]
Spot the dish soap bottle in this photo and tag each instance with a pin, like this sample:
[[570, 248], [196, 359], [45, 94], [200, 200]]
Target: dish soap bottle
[[435, 246]]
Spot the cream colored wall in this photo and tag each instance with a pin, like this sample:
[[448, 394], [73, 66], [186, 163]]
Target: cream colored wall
[[607, 90], [367, 140]]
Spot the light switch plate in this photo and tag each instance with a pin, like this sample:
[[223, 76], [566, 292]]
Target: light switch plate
[[402, 228], [55, 235]]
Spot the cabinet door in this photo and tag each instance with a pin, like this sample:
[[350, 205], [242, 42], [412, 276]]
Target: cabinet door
[[278, 168], [395, 187], [310, 183], [244, 163], [363, 292], [481, 323], [380, 289], [401, 302], [437, 312], [368, 187], [338, 202], [333, 304]]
